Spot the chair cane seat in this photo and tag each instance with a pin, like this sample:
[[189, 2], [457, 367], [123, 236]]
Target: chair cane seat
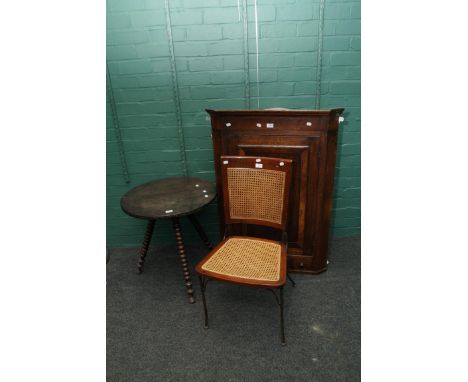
[[246, 258]]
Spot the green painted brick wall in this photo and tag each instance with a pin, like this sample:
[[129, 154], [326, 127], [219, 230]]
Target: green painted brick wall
[[208, 42]]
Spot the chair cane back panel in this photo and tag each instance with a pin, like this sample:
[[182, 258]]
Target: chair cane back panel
[[256, 190], [256, 194]]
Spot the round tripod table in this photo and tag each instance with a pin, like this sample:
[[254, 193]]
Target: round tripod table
[[170, 198]]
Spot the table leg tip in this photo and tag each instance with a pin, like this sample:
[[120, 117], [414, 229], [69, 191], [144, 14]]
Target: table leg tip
[[191, 300]]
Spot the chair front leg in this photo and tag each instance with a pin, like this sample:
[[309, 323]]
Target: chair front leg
[[283, 340], [203, 282]]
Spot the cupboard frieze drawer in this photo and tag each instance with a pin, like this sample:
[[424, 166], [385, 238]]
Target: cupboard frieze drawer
[[262, 123]]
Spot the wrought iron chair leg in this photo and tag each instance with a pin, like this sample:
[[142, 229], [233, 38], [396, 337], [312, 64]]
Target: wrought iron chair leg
[[283, 340], [193, 219], [290, 279], [203, 288]]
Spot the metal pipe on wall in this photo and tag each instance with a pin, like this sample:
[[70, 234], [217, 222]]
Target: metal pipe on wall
[[246, 55], [318, 87], [175, 87], [115, 120]]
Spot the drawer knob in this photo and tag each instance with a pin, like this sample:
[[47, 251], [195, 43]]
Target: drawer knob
[[309, 124], [259, 125], [228, 124]]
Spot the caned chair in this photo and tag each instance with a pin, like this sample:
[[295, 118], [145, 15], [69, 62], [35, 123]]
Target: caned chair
[[256, 191]]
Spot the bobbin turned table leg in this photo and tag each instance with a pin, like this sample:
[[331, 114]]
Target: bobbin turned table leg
[[146, 242], [183, 260], [200, 231]]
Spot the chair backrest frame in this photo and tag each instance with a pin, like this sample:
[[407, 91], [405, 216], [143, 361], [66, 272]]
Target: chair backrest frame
[[270, 177]]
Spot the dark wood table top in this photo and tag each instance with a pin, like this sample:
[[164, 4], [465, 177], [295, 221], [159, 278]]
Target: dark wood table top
[[168, 197]]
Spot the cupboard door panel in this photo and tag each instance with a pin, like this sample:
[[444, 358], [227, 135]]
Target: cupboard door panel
[[302, 151]]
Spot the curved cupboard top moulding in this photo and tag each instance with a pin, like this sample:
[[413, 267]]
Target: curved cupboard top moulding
[[273, 111]]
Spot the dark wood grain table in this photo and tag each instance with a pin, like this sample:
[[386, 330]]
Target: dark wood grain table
[[170, 198]]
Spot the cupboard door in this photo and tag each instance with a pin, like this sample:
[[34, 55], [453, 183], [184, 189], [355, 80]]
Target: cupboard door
[[303, 151]]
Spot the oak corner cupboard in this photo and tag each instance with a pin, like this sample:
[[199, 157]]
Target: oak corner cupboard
[[308, 138]]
